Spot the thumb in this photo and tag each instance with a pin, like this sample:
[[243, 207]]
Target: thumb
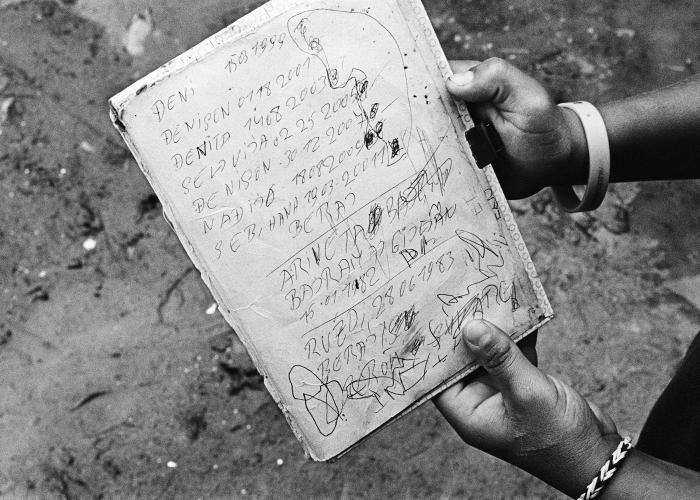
[[462, 65], [510, 370], [496, 82]]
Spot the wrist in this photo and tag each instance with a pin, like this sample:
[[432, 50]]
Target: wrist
[[575, 170], [603, 456], [643, 476], [571, 469]]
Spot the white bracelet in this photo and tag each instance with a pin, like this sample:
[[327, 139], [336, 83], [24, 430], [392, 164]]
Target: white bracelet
[[598, 161], [607, 471]]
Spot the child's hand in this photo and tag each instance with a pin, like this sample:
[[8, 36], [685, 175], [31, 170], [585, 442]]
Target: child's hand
[[526, 417], [542, 141]]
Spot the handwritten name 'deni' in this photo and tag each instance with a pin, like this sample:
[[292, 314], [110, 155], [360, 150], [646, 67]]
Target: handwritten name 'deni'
[[161, 106]]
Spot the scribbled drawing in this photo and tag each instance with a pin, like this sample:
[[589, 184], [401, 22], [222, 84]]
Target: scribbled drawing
[[482, 248], [502, 293], [375, 218], [485, 259], [367, 385], [405, 377], [323, 400], [358, 51], [402, 376], [481, 256]]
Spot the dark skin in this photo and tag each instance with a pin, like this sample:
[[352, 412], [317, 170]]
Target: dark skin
[[653, 136], [513, 410]]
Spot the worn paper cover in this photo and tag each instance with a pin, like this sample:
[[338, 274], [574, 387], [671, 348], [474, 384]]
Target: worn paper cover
[[315, 170]]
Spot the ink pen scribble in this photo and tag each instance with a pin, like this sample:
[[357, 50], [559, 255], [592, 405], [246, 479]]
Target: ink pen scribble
[[408, 266], [412, 176]]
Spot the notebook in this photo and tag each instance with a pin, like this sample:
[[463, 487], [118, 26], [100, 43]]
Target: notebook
[[315, 170]]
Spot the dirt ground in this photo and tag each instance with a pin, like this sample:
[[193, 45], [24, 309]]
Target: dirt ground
[[116, 381]]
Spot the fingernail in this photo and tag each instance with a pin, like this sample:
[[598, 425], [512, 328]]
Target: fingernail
[[477, 333], [462, 79]]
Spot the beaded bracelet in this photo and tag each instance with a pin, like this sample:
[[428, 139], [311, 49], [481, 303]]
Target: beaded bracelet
[[607, 471]]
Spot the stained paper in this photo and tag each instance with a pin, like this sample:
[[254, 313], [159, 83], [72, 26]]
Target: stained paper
[[315, 169]]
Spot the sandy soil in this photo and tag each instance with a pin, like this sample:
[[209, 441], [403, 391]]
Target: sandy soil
[[114, 380]]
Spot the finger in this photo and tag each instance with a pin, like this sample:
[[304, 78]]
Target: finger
[[479, 385], [605, 423], [510, 370], [462, 65], [482, 425], [497, 82], [476, 111], [463, 398]]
